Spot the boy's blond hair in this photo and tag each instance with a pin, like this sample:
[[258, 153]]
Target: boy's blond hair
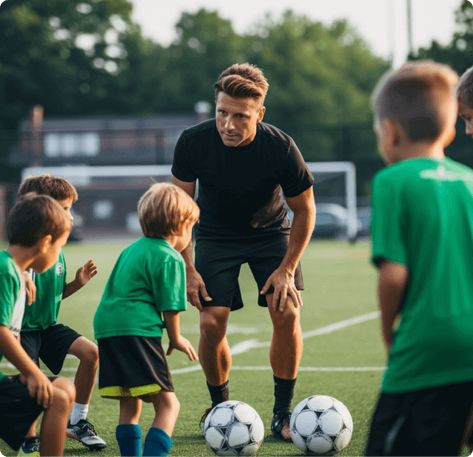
[[35, 216], [420, 97], [54, 186], [164, 208], [465, 88]]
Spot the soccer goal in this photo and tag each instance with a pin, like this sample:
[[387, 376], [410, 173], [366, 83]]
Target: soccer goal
[[109, 193]]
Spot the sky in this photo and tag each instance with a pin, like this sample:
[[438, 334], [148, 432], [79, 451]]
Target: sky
[[382, 23]]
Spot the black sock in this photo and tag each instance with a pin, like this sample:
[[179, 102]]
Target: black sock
[[283, 393], [218, 394]]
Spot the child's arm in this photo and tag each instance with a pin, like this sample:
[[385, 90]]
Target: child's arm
[[176, 340], [39, 386], [83, 275], [391, 287], [30, 287]]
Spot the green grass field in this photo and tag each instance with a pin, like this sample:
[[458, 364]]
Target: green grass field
[[343, 361]]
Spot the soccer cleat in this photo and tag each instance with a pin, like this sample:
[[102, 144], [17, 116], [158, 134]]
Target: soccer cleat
[[202, 420], [85, 432], [30, 447], [280, 425]]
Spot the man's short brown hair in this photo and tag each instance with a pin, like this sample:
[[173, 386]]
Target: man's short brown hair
[[419, 97], [35, 216], [164, 208], [465, 88], [242, 80], [54, 186]]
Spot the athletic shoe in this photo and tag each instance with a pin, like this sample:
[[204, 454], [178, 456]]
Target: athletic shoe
[[280, 425], [85, 432], [202, 419], [30, 447]]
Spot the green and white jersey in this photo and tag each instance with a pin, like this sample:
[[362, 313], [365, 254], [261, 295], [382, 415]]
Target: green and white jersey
[[49, 290], [12, 295], [147, 279], [422, 217]]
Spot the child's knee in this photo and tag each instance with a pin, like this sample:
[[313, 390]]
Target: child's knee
[[64, 392], [169, 401], [89, 353]]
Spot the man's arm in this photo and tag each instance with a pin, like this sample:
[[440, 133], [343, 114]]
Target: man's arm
[[282, 279], [195, 283], [392, 282]]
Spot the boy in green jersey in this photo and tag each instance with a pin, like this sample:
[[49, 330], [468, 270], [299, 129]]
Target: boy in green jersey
[[44, 338], [37, 228], [422, 244], [465, 100], [143, 295]]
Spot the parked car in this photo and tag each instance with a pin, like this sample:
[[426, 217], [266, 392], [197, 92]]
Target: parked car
[[364, 221], [331, 221]]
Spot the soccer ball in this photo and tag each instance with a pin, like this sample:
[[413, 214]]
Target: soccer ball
[[321, 425], [233, 428]]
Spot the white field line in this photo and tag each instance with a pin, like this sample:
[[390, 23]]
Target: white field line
[[248, 345]]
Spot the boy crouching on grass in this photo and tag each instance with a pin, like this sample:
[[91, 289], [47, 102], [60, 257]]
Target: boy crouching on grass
[[37, 229], [422, 241], [144, 294], [43, 337]]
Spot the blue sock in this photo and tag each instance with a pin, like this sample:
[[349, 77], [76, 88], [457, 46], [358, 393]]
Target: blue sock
[[157, 443], [129, 439]]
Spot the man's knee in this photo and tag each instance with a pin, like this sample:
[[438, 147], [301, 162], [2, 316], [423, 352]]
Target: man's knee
[[288, 320], [213, 325]]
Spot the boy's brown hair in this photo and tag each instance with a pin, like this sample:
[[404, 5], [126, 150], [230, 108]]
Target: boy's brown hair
[[35, 216], [465, 88], [54, 186], [242, 80], [419, 97], [164, 208]]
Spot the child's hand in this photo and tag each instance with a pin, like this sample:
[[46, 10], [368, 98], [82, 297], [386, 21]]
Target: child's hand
[[30, 288], [39, 387], [183, 344], [85, 273]]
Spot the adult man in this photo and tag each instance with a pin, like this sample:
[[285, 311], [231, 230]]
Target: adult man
[[243, 166]]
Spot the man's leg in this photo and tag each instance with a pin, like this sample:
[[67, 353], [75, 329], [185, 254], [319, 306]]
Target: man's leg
[[214, 351], [285, 355]]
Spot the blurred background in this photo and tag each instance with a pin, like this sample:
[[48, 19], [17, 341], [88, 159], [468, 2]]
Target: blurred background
[[98, 91]]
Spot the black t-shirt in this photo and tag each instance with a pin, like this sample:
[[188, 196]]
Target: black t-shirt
[[241, 189]]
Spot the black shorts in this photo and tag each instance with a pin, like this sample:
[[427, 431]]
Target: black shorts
[[132, 366], [219, 263], [17, 411], [51, 345], [424, 422]]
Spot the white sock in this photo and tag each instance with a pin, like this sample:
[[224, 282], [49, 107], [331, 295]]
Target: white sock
[[79, 411]]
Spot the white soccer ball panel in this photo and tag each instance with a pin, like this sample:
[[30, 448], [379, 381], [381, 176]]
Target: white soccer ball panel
[[220, 416], [343, 439], [306, 422], [331, 422], [299, 407], [320, 402], [238, 434], [214, 438], [319, 444], [343, 410], [245, 413], [250, 449], [298, 440], [257, 430]]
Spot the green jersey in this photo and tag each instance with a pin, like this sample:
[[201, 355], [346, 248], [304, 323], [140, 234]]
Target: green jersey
[[422, 217], [49, 289], [12, 295], [147, 279]]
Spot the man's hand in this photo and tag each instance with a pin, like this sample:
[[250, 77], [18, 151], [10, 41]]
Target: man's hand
[[183, 344], [196, 286], [30, 288], [284, 287], [86, 272], [39, 387]]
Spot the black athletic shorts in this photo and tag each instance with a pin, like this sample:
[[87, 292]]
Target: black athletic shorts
[[51, 345], [132, 366], [17, 411], [219, 262], [424, 422]]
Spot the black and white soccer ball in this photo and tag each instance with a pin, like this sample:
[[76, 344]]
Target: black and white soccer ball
[[321, 425], [233, 428]]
